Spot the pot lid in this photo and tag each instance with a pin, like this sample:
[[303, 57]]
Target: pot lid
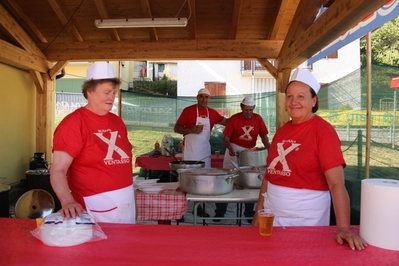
[[36, 203], [208, 171]]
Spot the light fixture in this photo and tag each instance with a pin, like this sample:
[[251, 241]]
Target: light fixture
[[140, 22]]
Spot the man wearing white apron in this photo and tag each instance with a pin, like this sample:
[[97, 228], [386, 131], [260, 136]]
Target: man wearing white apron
[[241, 134], [196, 123]]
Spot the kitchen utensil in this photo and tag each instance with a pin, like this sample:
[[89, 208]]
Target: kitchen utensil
[[174, 165], [206, 157], [171, 154], [253, 157], [249, 177], [236, 166], [207, 181], [36, 203]]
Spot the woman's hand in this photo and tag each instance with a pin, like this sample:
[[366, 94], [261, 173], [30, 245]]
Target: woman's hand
[[71, 209], [354, 241]]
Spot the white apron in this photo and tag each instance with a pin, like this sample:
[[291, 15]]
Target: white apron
[[227, 158], [298, 207], [117, 206], [197, 146]]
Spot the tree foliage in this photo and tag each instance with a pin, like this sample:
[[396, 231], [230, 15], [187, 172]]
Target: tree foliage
[[384, 45]]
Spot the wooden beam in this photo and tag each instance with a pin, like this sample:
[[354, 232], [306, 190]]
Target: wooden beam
[[102, 10], [235, 18], [301, 21], [19, 58], [37, 80], [65, 20], [56, 69], [278, 20], [164, 50], [192, 20], [336, 20], [18, 33], [269, 67], [23, 18], [146, 9]]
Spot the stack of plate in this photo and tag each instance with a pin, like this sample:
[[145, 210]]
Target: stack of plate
[[149, 186], [152, 189]]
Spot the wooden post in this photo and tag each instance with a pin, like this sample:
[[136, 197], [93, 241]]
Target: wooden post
[[45, 105]]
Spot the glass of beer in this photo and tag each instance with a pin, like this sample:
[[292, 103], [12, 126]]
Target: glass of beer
[[217, 154], [266, 218]]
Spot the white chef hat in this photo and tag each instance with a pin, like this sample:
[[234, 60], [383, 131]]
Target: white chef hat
[[248, 101], [102, 70], [203, 91], [306, 77]]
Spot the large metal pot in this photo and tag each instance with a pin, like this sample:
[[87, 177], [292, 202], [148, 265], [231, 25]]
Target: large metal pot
[[207, 181], [174, 165], [253, 157], [250, 177]]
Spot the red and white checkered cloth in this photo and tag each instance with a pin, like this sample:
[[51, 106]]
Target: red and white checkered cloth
[[169, 204]]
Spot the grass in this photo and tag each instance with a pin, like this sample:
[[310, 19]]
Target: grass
[[143, 140], [383, 163]]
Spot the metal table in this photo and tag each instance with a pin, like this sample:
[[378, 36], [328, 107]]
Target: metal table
[[238, 196]]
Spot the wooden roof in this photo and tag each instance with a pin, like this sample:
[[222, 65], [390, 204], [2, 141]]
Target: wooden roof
[[37, 34]]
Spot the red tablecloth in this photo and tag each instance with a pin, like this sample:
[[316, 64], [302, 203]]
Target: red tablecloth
[[189, 245], [149, 162], [169, 204]]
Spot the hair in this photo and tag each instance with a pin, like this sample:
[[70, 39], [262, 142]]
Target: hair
[[313, 93], [316, 106], [91, 84]]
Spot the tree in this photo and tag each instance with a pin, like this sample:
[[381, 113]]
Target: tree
[[384, 45]]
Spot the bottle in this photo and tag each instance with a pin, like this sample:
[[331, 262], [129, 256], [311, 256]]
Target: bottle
[[156, 148]]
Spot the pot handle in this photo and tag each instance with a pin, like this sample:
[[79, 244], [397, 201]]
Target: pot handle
[[260, 177], [229, 179]]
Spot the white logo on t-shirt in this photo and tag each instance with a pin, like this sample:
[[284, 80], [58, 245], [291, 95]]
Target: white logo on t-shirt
[[112, 146], [247, 130], [281, 158]]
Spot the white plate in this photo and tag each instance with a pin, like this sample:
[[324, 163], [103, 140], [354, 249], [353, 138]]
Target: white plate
[[145, 183], [152, 189]]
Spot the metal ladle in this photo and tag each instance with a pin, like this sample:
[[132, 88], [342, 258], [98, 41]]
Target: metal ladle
[[171, 154], [206, 157], [236, 165]]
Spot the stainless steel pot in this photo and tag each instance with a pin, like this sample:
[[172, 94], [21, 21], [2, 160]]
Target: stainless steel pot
[[250, 177], [174, 165], [207, 181], [253, 157]]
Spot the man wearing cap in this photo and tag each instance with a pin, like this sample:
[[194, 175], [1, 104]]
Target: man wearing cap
[[92, 165], [241, 134], [305, 167], [196, 123]]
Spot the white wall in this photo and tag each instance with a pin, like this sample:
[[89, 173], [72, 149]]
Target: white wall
[[329, 70], [193, 74]]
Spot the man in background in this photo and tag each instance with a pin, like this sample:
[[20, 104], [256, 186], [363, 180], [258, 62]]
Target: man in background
[[241, 134]]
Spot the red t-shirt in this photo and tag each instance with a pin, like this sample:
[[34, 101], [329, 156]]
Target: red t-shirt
[[300, 154], [101, 150], [188, 117], [243, 131]]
